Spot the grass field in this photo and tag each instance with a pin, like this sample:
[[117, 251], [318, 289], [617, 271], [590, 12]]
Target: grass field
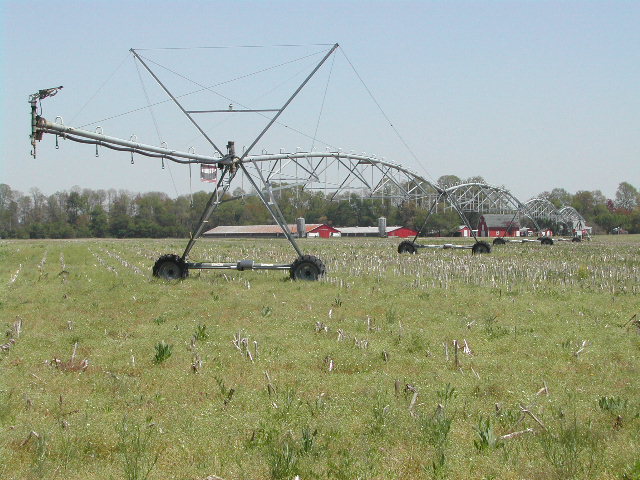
[[107, 373]]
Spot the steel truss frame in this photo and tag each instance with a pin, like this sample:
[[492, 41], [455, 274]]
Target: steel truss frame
[[481, 198], [338, 175], [543, 209]]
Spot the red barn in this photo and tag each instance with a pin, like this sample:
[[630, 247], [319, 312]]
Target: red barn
[[269, 231], [498, 225], [322, 231], [464, 231], [401, 232]]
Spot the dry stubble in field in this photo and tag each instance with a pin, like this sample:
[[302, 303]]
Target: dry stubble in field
[[519, 364]]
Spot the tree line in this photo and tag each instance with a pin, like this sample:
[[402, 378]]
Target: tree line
[[83, 212]]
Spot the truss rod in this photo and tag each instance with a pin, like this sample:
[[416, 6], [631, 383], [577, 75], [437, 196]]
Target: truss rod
[[231, 110], [273, 210], [295, 94], [175, 100], [212, 204]]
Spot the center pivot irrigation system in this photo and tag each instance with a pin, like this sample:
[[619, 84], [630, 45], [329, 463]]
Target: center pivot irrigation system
[[336, 174], [477, 198], [566, 218]]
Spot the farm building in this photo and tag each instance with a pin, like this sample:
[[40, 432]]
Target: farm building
[[269, 231], [401, 232], [394, 231], [463, 231], [311, 230], [498, 225], [322, 230], [529, 232]]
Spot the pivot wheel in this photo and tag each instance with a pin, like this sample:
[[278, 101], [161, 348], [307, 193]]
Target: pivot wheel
[[307, 267], [576, 239], [481, 247], [546, 241], [407, 247], [170, 267], [499, 241]]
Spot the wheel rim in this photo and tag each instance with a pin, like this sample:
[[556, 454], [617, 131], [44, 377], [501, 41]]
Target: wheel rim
[[307, 271], [169, 271], [406, 247], [481, 247]]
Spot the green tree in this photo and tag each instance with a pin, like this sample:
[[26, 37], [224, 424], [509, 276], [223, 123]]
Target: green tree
[[120, 225], [99, 222], [8, 211], [446, 181], [626, 196]]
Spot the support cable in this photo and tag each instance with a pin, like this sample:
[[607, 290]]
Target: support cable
[[397, 132], [146, 96], [155, 123], [259, 97], [201, 89], [324, 96], [209, 89], [221, 47], [98, 90]]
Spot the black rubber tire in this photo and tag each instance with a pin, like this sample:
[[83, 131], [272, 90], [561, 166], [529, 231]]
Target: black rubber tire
[[481, 247], [307, 267], [576, 239], [170, 267], [407, 246], [546, 241], [499, 241]]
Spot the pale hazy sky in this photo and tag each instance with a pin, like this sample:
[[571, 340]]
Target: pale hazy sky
[[531, 95]]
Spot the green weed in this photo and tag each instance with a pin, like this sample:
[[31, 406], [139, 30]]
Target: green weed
[[201, 333], [318, 406], [380, 414], [447, 394], [633, 472], [486, 437], [342, 465], [415, 343], [436, 428], [438, 467], [6, 407], [163, 352], [582, 272], [287, 402], [307, 440], [137, 449], [612, 404], [283, 461], [40, 455], [391, 315], [225, 393], [571, 449], [494, 330]]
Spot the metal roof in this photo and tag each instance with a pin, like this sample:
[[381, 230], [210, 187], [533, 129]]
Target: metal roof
[[356, 230], [257, 229], [496, 220]]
